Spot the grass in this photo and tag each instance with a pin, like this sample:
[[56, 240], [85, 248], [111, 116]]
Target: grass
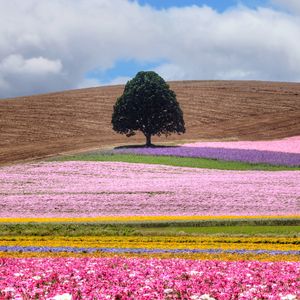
[[174, 161], [230, 230], [98, 229]]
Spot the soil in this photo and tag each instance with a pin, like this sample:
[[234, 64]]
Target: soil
[[40, 126]]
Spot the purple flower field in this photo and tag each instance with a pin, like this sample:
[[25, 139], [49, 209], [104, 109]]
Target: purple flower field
[[87, 189], [281, 152]]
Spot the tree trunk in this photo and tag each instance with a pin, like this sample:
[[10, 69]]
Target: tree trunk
[[148, 140]]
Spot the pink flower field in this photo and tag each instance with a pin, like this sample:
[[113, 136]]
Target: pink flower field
[[287, 145], [82, 189], [138, 278]]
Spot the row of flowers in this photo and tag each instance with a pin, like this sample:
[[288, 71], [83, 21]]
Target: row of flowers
[[222, 256], [92, 189], [138, 219], [157, 242], [286, 145], [278, 152], [139, 278], [142, 250]]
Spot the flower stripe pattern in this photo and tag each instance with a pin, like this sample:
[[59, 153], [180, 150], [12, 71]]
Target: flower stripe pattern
[[142, 250], [278, 152]]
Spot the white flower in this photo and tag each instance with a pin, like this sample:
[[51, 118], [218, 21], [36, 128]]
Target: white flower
[[289, 297], [192, 273], [37, 277], [168, 291], [8, 290], [195, 297], [65, 296], [206, 297]]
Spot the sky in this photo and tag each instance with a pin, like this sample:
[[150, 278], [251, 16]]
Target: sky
[[48, 46]]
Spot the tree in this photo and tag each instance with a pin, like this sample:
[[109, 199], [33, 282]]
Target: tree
[[147, 105]]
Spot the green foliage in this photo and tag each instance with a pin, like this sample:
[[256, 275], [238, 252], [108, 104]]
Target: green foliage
[[271, 227], [244, 230], [147, 105]]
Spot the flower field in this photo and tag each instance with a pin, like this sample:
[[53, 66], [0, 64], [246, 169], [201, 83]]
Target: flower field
[[120, 231], [138, 278], [287, 145], [141, 219], [155, 243], [279, 152], [91, 189]]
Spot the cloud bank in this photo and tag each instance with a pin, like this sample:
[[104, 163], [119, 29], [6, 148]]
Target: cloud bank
[[291, 5], [51, 45]]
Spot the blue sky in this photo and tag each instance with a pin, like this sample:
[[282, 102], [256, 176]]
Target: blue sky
[[219, 5], [51, 50], [122, 68]]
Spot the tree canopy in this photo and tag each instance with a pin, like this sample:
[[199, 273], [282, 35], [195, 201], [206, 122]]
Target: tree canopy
[[147, 105]]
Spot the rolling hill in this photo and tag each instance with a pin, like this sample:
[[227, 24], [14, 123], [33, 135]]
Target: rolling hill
[[43, 125]]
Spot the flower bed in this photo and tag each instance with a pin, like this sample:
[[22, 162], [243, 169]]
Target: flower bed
[[68, 249], [91, 189], [197, 247], [279, 152], [287, 145], [138, 278], [153, 219], [184, 255], [156, 243]]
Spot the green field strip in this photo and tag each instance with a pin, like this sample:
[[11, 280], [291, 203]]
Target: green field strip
[[228, 230], [100, 229], [174, 161]]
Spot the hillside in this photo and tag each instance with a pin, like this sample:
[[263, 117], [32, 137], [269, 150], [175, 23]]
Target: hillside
[[42, 125]]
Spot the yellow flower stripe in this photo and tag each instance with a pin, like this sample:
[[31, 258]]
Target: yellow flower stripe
[[157, 242], [142, 218], [201, 256]]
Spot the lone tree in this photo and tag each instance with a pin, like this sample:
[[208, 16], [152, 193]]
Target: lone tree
[[147, 105]]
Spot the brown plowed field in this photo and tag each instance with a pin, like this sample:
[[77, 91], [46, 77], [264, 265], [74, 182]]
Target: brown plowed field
[[43, 125]]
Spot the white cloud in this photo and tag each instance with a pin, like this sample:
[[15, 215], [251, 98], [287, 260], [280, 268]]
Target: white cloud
[[94, 82], [119, 80], [88, 82], [15, 63], [171, 72], [51, 45], [292, 5]]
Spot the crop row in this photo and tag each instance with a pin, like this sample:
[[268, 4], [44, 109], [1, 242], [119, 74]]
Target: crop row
[[209, 228], [92, 189], [259, 219], [223, 256], [176, 161], [157, 242], [287, 145], [139, 278], [279, 152], [69, 249], [248, 156]]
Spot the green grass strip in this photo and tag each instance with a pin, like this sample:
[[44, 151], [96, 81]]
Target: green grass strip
[[175, 161], [169, 229], [229, 231]]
